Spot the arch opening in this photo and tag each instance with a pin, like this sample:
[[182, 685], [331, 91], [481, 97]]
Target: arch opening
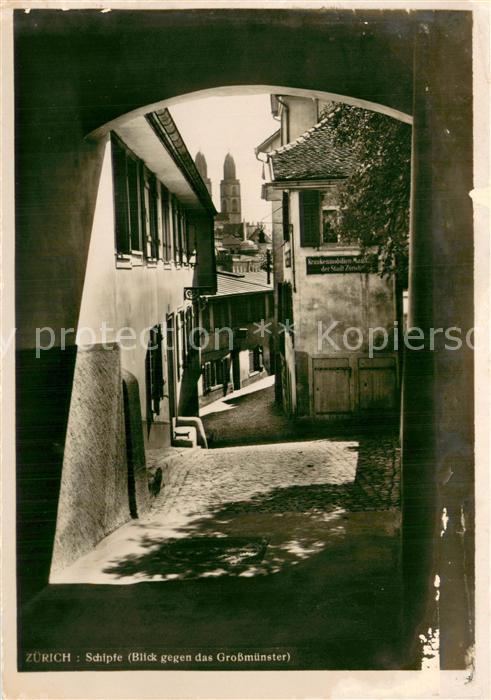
[[239, 90]]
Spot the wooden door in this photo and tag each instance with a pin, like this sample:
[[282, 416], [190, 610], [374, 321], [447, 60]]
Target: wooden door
[[331, 385], [377, 380]]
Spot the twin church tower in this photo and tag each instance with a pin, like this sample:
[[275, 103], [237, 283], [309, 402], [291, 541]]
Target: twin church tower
[[230, 203]]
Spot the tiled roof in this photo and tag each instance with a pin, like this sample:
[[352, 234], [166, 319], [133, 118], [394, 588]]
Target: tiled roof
[[260, 278], [231, 240], [312, 156], [247, 283]]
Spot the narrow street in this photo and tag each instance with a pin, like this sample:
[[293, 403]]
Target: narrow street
[[287, 545], [250, 416]]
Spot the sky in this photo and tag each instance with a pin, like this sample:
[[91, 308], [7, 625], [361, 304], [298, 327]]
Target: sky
[[217, 125]]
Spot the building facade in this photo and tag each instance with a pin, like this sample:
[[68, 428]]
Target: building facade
[[333, 307], [136, 372], [237, 322], [202, 168], [230, 197]]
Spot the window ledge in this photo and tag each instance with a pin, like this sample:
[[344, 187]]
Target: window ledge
[[123, 262], [256, 371], [215, 387], [137, 259], [126, 261]]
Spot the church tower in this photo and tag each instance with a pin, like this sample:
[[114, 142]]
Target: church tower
[[202, 167], [230, 192]]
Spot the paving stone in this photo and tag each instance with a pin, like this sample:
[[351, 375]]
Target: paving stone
[[250, 510]]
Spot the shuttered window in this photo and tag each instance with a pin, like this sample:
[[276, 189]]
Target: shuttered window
[[215, 373], [149, 214], [121, 213], [174, 228], [181, 228], [166, 224], [285, 210], [154, 220], [178, 230], [135, 188], [310, 218], [154, 373], [136, 195]]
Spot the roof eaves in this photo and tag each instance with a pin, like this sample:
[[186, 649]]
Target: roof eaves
[[238, 292], [267, 141], [168, 134]]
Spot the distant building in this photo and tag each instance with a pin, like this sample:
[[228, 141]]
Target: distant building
[[240, 353], [227, 262], [238, 253], [230, 197], [202, 168], [240, 246]]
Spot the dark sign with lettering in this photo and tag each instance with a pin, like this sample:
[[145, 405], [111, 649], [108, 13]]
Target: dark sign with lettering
[[340, 264]]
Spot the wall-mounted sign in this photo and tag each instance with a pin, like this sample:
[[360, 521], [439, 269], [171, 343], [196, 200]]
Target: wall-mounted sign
[[288, 258], [340, 264]]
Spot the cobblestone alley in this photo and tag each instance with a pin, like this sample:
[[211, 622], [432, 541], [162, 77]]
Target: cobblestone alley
[[286, 545], [289, 500]]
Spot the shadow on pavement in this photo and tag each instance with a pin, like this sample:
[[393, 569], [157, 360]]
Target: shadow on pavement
[[312, 570], [213, 543], [338, 609]]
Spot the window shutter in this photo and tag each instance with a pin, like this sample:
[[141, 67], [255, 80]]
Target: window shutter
[[120, 199], [153, 215], [134, 204], [175, 237], [310, 229], [164, 200], [285, 207]]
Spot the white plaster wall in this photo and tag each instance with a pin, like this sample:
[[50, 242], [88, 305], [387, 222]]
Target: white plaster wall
[[360, 300], [302, 115], [135, 298], [99, 292], [244, 365], [277, 232]]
